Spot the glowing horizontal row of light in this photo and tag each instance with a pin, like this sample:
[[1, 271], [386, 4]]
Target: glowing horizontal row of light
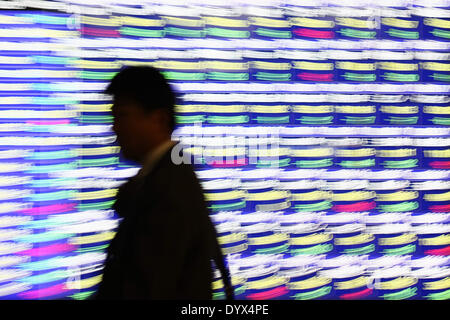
[[308, 131], [55, 141], [245, 91], [313, 195], [305, 184], [318, 152], [385, 262], [113, 46], [227, 221], [334, 277], [61, 154], [239, 149], [281, 234], [348, 98], [297, 184], [346, 174], [325, 65], [368, 278], [61, 262], [267, 131], [299, 87], [28, 195], [277, 173], [321, 82], [224, 141], [56, 228], [156, 57], [326, 108], [117, 21], [71, 98], [216, 7]]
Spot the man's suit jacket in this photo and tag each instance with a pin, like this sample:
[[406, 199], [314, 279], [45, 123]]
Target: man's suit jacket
[[165, 242]]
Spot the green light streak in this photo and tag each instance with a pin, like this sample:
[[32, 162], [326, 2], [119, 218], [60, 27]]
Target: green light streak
[[82, 295], [92, 75], [401, 295], [359, 76], [391, 76], [190, 119], [47, 19], [360, 120], [441, 121], [52, 196], [57, 182], [96, 119], [271, 33], [185, 76], [361, 34], [441, 33], [357, 163], [95, 206], [314, 163], [227, 76], [267, 76], [136, 32], [44, 237], [313, 294], [444, 295], [98, 162], [221, 295], [52, 167], [441, 77], [275, 250], [397, 33], [403, 120], [228, 119], [269, 163], [52, 60], [318, 249], [45, 155], [187, 33], [227, 33], [323, 205], [43, 224], [228, 206], [92, 249], [283, 119], [399, 207], [400, 251], [45, 278], [363, 250], [316, 120], [52, 101], [410, 163]]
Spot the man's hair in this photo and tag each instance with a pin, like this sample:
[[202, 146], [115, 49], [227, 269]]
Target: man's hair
[[147, 86]]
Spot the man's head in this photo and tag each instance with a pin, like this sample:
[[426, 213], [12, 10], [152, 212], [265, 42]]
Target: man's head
[[143, 110]]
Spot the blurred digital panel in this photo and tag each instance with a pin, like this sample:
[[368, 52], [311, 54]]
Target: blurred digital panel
[[319, 130]]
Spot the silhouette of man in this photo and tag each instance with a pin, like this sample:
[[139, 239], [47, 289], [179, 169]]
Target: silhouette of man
[[166, 240]]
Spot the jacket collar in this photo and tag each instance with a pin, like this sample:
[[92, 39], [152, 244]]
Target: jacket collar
[[153, 157]]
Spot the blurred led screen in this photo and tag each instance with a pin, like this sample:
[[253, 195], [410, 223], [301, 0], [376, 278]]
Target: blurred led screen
[[319, 131]]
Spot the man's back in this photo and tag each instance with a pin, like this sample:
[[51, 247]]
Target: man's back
[[164, 244]]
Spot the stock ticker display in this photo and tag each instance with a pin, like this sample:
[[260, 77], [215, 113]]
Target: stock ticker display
[[319, 130]]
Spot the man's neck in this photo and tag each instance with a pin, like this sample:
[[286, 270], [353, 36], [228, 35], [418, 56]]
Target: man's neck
[[151, 148]]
